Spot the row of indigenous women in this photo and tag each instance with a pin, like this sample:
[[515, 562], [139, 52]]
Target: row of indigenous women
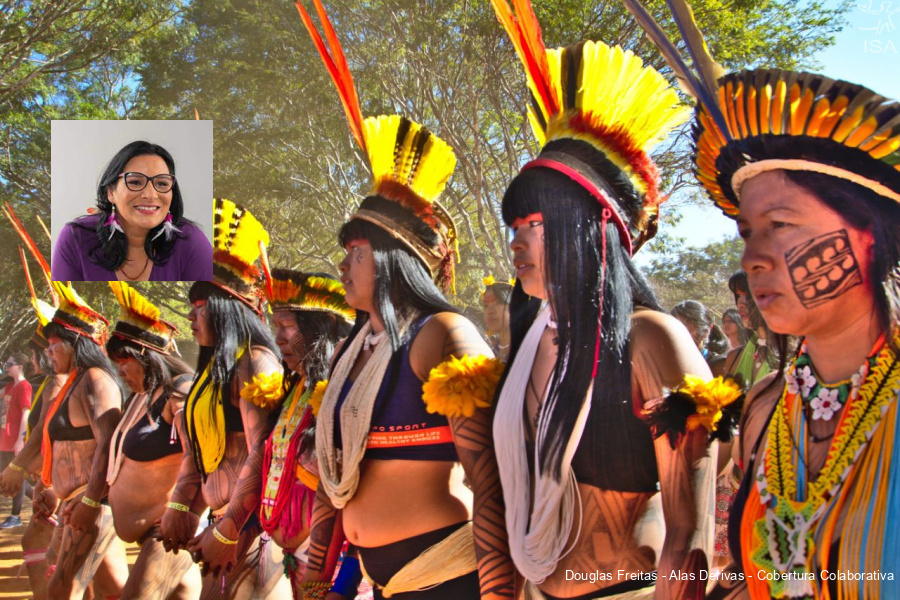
[[582, 468]]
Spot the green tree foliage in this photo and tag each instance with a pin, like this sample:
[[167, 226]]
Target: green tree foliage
[[282, 146]]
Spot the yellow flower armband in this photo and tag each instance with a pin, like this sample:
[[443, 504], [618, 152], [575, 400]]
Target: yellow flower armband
[[315, 399], [265, 391], [714, 405], [459, 386]]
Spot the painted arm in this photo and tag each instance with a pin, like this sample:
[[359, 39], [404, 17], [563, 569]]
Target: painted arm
[[475, 448], [104, 406], [326, 538], [663, 353]]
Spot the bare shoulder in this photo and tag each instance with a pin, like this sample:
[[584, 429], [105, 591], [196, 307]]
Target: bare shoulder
[[97, 378], [662, 352], [758, 407], [445, 334], [731, 359], [263, 360]]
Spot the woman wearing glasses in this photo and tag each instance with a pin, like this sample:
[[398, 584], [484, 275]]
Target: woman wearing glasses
[[139, 232]]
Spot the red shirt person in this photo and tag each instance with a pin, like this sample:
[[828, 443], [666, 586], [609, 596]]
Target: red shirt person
[[13, 417]]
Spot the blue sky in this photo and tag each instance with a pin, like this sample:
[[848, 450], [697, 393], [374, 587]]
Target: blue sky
[[867, 52]]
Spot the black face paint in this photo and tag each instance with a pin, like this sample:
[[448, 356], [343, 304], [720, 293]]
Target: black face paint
[[823, 268]]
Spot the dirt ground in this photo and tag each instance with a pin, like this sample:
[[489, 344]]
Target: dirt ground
[[13, 579]]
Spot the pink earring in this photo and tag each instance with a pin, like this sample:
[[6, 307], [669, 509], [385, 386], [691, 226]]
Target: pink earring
[[113, 223], [168, 228]]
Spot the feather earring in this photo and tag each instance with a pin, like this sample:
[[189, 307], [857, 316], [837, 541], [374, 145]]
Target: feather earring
[[168, 228], [113, 223]]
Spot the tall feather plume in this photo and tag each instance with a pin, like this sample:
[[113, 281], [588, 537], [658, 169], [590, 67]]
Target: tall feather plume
[[32, 247], [337, 66], [702, 85], [524, 31], [27, 273], [44, 227], [133, 302]]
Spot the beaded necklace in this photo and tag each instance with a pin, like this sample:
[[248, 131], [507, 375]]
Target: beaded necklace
[[280, 459], [794, 505]]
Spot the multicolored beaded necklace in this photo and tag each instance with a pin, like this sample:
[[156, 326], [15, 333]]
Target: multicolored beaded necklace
[[795, 505], [280, 458]]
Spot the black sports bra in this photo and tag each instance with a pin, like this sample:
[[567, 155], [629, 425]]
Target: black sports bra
[[151, 437], [60, 428]]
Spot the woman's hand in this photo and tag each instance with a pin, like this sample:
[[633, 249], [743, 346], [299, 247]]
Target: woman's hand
[[44, 503], [217, 557], [80, 517], [11, 482], [176, 528]]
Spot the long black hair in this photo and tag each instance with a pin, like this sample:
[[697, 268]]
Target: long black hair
[[735, 317], [235, 326], [88, 355], [710, 335], [111, 252], [319, 333], [404, 288], [573, 259], [159, 369]]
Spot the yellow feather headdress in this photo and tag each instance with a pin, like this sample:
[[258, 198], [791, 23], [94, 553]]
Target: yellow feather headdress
[[75, 315], [410, 167], [139, 320], [239, 240], [754, 121], [295, 290], [603, 96]]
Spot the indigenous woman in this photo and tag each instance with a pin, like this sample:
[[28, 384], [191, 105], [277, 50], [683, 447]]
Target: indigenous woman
[[733, 328], [139, 232], [239, 383], [706, 334], [146, 448], [496, 298], [27, 463], [410, 390], [759, 356], [310, 317], [808, 167], [77, 429], [586, 487]]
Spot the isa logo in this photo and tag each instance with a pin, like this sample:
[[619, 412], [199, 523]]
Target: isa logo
[[882, 21]]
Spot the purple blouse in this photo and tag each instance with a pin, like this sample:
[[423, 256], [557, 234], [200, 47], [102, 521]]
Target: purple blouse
[[191, 260]]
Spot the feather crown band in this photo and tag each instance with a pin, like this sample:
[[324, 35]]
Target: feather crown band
[[754, 121], [600, 95], [410, 166], [295, 290], [139, 320], [75, 315], [239, 240]]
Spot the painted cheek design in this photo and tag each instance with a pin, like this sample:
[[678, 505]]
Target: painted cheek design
[[823, 268]]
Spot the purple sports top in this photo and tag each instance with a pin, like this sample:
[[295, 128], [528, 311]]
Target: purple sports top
[[191, 261]]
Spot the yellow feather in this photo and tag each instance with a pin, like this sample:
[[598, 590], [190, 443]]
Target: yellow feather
[[862, 132], [886, 148], [42, 310], [133, 302]]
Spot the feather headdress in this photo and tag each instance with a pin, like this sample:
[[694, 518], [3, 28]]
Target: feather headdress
[[410, 167], [239, 240], [75, 315], [43, 310], [603, 96], [139, 320], [295, 290], [754, 121]]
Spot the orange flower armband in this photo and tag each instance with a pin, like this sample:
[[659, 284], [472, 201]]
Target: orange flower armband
[[714, 405], [459, 386], [265, 391]]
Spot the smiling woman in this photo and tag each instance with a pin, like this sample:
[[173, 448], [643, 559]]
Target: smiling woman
[[138, 232]]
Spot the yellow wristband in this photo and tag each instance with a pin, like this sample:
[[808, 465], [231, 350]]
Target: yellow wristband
[[218, 535], [89, 502], [16, 467], [179, 507]]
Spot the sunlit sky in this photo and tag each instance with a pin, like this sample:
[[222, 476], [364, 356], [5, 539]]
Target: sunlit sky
[[867, 52]]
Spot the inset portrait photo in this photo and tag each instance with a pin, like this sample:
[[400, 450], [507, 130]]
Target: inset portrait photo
[[131, 200]]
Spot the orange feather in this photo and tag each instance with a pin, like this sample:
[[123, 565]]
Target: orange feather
[[337, 67]]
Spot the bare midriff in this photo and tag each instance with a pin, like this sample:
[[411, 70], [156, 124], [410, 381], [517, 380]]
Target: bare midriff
[[400, 499], [72, 465], [621, 537], [139, 495]]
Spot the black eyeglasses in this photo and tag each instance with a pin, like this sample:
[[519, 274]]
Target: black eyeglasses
[[138, 181], [11, 364]]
